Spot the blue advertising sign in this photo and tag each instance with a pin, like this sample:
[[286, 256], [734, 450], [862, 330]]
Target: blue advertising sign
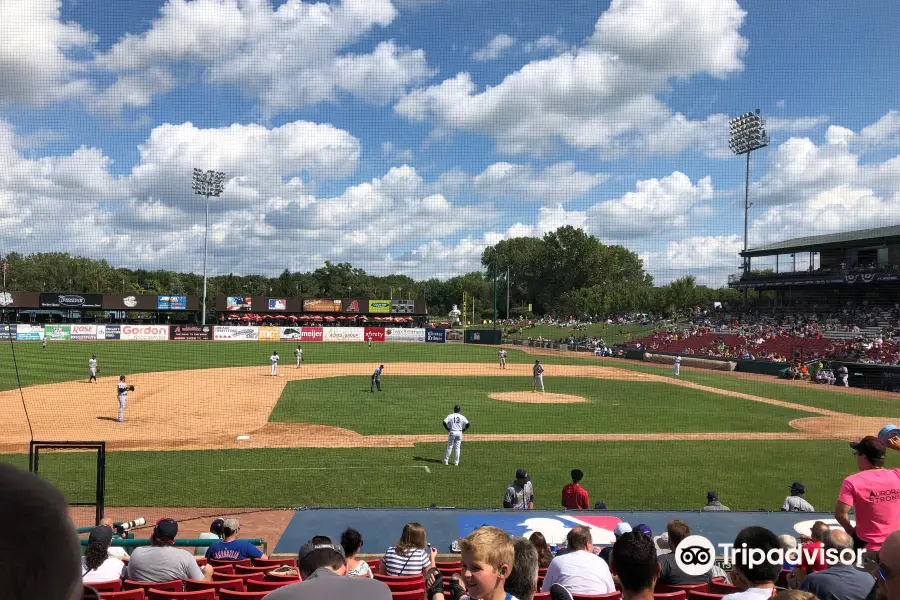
[[112, 332], [437, 336], [171, 303]]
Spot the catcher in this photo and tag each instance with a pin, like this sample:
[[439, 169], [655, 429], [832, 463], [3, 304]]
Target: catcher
[[123, 389]]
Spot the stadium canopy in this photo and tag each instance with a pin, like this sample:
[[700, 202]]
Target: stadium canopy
[[847, 239]]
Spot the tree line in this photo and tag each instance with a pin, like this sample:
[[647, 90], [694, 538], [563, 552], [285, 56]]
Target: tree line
[[567, 272]]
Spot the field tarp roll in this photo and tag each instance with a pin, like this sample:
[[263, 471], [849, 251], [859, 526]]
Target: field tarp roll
[[691, 361]]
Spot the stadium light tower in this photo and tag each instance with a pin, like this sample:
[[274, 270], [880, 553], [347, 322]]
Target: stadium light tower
[[207, 183], [748, 133]]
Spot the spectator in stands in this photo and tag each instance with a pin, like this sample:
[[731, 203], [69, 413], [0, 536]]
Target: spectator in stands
[[635, 564], [796, 502], [352, 543], [520, 493], [662, 544], [669, 571], [618, 530], [794, 595], [39, 550], [411, 555], [575, 497], [842, 581], [487, 559], [231, 548], [522, 580], [712, 502], [543, 550], [579, 570], [114, 551], [97, 564], [874, 494], [756, 582], [887, 568], [323, 567], [812, 554], [162, 561], [214, 533]]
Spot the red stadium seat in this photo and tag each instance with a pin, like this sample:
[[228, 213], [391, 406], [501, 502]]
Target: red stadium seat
[[236, 585], [247, 562], [680, 595], [701, 595], [665, 589], [107, 586], [722, 588], [542, 596], [223, 569], [405, 586], [228, 576], [136, 594], [167, 586], [229, 595], [201, 560], [410, 595], [447, 564], [373, 564], [280, 577], [239, 569], [401, 578], [612, 596], [275, 562], [199, 595], [255, 585]]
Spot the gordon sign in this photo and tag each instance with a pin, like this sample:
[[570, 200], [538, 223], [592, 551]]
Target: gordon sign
[[71, 300], [144, 332]]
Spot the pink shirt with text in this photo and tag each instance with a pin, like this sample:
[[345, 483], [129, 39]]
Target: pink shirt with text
[[875, 498]]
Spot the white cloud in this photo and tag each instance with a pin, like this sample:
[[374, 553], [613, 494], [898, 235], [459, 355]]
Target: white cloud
[[555, 184], [285, 57], [597, 97], [710, 259], [36, 63], [552, 44], [884, 132], [494, 48]]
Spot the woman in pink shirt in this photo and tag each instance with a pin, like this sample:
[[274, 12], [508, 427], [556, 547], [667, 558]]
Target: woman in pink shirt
[[874, 494]]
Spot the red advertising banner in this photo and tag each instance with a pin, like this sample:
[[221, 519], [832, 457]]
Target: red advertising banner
[[311, 334], [376, 334]]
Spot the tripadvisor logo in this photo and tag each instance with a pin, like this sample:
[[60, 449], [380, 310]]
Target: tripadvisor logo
[[695, 555]]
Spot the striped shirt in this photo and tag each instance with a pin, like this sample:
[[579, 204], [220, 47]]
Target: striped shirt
[[414, 563], [797, 504]]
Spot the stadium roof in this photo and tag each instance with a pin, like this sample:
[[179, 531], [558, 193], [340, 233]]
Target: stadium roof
[[860, 237]]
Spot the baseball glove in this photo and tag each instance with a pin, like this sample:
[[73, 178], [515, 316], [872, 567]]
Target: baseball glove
[[130, 388]]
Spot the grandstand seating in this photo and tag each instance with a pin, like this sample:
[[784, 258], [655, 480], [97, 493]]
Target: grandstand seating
[[679, 595], [663, 589], [281, 577], [136, 594], [224, 569], [236, 585], [230, 595], [227, 576], [275, 562], [239, 569], [220, 563], [256, 585], [612, 596], [154, 594], [405, 586], [400, 578], [107, 586], [716, 587], [701, 595], [410, 595], [167, 586]]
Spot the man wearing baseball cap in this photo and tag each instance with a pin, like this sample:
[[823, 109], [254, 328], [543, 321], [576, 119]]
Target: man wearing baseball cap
[[796, 502], [231, 548], [618, 530], [874, 495], [520, 493], [162, 561], [324, 568]]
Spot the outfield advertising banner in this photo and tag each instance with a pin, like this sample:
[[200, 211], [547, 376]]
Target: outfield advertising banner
[[455, 336], [171, 303], [112, 332], [321, 305], [83, 332], [145, 333], [277, 304], [376, 334], [483, 336], [29, 333], [7, 333], [342, 334], [71, 300], [190, 332], [291, 333], [379, 306], [401, 334], [57, 332], [235, 303], [437, 336], [269, 334], [403, 307], [235, 333]]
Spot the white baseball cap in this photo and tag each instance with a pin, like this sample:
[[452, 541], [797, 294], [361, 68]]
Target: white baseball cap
[[621, 528]]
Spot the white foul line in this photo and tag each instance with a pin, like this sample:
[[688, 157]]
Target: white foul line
[[427, 470]]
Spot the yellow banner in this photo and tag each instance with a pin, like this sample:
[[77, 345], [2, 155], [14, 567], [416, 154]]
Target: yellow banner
[[269, 334]]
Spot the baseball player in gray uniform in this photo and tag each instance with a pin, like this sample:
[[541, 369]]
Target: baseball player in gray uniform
[[92, 366], [376, 379], [274, 360], [538, 380], [502, 355], [299, 354], [122, 392], [677, 366], [455, 424]]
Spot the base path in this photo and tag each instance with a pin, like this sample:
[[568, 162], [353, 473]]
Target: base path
[[229, 408]]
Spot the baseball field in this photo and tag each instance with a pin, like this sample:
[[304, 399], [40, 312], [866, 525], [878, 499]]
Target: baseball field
[[207, 426]]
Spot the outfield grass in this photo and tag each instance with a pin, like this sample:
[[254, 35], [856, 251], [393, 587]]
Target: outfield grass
[[625, 475], [417, 405]]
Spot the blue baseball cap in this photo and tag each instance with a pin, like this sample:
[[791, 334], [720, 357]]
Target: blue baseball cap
[[887, 432], [643, 529]]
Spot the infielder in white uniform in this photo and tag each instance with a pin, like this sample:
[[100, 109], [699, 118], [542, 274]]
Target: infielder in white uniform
[[92, 365], [123, 390], [274, 360], [299, 354], [455, 424], [502, 355], [538, 380], [44, 344], [369, 339], [677, 366]]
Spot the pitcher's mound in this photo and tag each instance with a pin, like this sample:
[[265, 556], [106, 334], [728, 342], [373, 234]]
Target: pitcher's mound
[[537, 398]]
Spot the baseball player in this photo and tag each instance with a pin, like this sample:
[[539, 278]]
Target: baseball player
[[842, 375], [274, 360], [123, 389], [299, 354], [455, 424], [44, 344], [502, 355], [369, 338], [677, 366], [376, 379], [538, 380], [92, 365]]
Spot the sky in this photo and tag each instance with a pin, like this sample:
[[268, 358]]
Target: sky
[[405, 136]]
